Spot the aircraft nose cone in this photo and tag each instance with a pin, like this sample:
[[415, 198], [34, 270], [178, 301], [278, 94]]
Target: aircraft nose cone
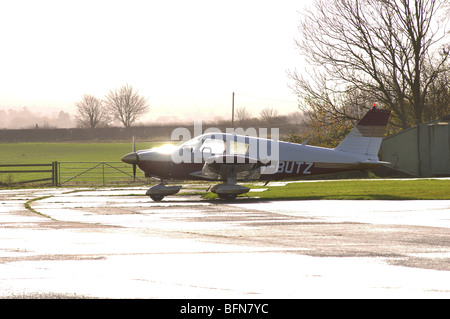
[[131, 158]]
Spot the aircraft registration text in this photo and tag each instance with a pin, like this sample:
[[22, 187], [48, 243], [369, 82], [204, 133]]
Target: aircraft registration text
[[294, 167]]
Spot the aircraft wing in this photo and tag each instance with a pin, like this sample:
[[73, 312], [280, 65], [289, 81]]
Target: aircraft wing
[[238, 167]]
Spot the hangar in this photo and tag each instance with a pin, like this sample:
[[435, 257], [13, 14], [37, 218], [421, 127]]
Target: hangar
[[422, 151]]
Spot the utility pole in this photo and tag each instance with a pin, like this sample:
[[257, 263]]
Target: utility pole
[[232, 111]]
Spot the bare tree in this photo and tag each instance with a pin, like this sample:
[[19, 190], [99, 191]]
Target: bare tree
[[438, 97], [388, 51], [446, 10], [269, 115], [91, 112], [243, 115], [126, 105]]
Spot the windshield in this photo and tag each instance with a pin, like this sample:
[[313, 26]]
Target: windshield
[[191, 143]]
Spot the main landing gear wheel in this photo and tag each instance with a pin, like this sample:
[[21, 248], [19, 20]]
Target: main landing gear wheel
[[158, 192], [229, 191], [157, 198], [228, 197]]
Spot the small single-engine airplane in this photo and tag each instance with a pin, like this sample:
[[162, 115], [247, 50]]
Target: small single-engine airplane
[[230, 158]]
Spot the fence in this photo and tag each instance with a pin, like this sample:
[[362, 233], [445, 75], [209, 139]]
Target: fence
[[28, 173], [71, 174], [96, 174]]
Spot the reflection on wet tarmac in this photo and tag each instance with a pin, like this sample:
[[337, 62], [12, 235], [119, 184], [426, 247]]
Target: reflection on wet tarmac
[[115, 243]]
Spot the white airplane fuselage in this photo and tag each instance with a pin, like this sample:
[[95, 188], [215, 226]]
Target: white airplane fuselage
[[231, 158], [295, 161]]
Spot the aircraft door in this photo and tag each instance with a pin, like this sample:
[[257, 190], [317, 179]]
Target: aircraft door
[[211, 146]]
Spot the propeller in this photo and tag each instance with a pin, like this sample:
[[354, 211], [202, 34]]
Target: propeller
[[132, 158]]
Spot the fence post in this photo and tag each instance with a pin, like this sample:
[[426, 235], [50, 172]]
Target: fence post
[[103, 173], [54, 173]]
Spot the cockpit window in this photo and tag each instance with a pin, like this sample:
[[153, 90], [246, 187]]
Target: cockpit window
[[219, 144], [213, 146], [240, 148]]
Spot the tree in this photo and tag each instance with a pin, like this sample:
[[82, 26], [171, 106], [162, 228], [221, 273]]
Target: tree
[[387, 51], [126, 105], [438, 97], [243, 115], [91, 112], [64, 120], [270, 116], [446, 10]]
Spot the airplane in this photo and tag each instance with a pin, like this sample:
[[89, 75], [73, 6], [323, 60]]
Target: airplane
[[229, 158]]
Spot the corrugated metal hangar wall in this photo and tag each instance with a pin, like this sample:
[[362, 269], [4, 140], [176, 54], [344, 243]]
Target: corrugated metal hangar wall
[[422, 151]]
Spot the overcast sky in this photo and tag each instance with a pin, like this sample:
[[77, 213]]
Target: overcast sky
[[187, 57]]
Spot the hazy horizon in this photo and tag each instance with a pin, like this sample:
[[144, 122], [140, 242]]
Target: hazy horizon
[[186, 57], [25, 118]]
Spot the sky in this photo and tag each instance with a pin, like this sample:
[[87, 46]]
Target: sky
[[186, 57]]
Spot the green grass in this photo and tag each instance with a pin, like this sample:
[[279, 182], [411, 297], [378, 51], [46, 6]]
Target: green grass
[[43, 153], [360, 190], [46, 153]]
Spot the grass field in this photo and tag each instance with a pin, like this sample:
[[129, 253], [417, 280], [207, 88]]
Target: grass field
[[42, 153], [360, 190]]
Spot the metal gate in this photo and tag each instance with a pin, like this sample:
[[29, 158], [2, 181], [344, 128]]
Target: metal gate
[[97, 174]]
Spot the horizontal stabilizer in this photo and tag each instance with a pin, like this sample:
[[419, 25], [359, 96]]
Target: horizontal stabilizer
[[374, 162]]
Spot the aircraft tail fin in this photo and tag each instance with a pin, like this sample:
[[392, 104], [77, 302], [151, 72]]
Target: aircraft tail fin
[[366, 136]]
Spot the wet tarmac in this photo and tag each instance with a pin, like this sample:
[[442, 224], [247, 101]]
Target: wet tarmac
[[116, 243]]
